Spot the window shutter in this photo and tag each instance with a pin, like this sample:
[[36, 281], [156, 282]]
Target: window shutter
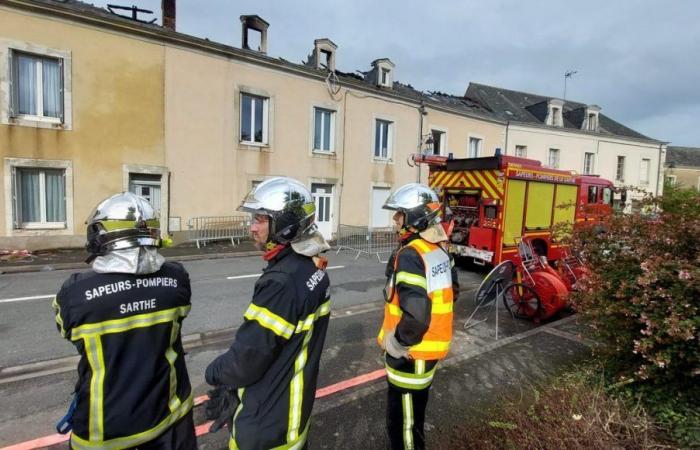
[[14, 86], [62, 100], [15, 199]]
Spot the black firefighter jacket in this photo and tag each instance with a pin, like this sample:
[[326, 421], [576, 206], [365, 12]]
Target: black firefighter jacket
[[133, 383], [274, 359]]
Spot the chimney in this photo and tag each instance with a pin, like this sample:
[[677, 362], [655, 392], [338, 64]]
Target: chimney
[[256, 23], [168, 8]]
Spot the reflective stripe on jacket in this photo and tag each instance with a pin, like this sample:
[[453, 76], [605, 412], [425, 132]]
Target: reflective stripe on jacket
[[133, 383], [275, 357], [422, 273]]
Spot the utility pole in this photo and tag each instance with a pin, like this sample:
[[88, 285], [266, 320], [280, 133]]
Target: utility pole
[[568, 74]]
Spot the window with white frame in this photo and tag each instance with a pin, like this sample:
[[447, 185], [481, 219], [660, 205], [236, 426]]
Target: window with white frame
[[588, 163], [553, 158], [592, 122], [36, 87], [521, 151], [324, 130], [475, 147], [39, 197], [383, 131], [671, 180], [439, 141], [384, 76], [620, 172], [254, 119], [644, 171]]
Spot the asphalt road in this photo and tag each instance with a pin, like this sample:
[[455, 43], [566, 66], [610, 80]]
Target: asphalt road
[[31, 407], [28, 331]]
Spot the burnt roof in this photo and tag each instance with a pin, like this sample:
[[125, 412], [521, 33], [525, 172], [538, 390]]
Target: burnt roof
[[683, 156], [526, 108], [404, 91]]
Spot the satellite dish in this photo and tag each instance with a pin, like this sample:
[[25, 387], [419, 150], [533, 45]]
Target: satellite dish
[[501, 274]]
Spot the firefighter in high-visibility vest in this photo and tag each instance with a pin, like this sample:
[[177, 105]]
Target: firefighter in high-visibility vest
[[124, 317], [417, 327], [273, 362]]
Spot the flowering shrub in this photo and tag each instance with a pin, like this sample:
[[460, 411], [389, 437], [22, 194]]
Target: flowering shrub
[[642, 297]]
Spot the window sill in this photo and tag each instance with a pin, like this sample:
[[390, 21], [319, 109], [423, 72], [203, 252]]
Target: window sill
[[63, 230], [254, 146], [323, 154], [38, 122], [32, 226], [382, 160]]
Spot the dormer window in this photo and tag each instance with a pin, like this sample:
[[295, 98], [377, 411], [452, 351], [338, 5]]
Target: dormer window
[[385, 77], [554, 113], [382, 73], [255, 23], [556, 117], [323, 57], [591, 120]]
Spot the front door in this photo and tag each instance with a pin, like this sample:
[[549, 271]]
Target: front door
[[323, 196], [147, 186]]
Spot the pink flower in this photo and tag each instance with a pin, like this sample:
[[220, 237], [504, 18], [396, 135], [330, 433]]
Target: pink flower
[[684, 275]]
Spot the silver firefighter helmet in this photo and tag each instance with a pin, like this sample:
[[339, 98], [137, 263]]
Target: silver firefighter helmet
[[418, 202], [289, 205], [122, 221]]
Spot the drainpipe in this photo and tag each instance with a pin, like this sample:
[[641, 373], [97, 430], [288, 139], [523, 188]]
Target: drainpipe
[[658, 171], [421, 113], [505, 150]]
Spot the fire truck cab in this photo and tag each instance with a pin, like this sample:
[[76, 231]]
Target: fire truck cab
[[495, 202]]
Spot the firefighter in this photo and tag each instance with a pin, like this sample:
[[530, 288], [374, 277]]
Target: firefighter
[[124, 317], [273, 363], [417, 327]]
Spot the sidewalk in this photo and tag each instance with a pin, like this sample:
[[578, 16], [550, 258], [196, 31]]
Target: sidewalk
[[463, 389], [466, 385], [74, 258]]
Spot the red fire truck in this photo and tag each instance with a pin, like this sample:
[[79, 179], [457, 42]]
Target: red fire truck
[[498, 201]]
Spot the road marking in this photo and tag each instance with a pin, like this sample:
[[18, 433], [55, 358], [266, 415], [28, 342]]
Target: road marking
[[239, 277], [24, 299], [352, 382]]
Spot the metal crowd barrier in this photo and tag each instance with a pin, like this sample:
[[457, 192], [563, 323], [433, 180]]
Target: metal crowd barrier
[[372, 241], [216, 228]]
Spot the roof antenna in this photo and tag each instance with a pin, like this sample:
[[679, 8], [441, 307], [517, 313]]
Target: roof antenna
[[135, 10], [568, 74]]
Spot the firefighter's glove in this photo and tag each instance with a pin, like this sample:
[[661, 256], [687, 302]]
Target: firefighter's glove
[[393, 347], [221, 407]]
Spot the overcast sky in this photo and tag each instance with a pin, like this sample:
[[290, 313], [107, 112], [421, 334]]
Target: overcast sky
[[638, 60]]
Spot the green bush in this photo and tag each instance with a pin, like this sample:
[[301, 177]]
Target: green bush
[[643, 294], [642, 300]]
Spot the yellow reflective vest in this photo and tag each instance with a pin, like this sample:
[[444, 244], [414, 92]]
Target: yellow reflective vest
[[436, 282]]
